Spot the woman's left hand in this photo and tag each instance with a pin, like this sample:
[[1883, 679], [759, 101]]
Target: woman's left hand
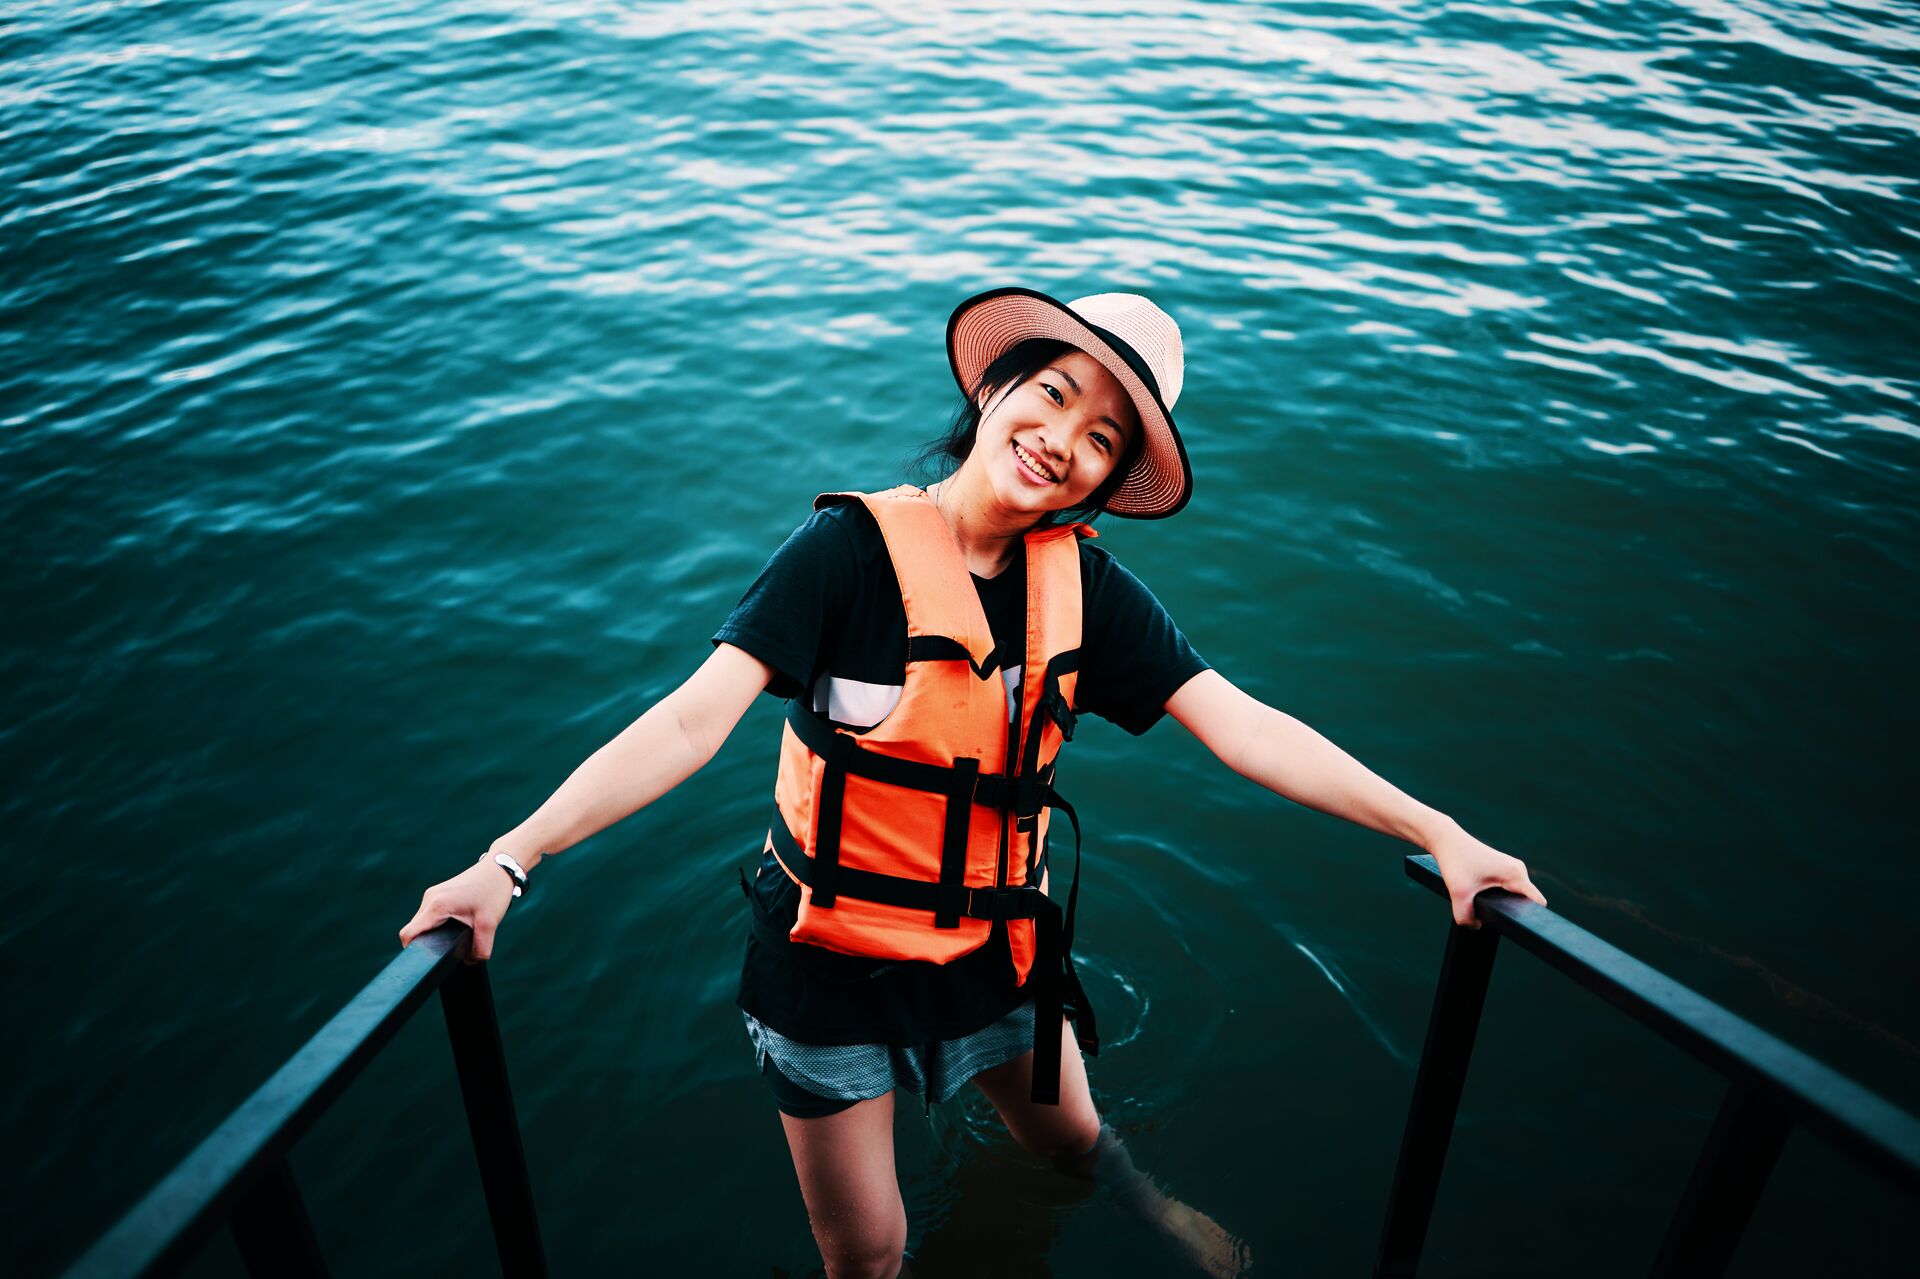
[[1467, 866]]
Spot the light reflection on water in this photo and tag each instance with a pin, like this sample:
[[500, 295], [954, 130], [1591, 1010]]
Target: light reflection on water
[[399, 395]]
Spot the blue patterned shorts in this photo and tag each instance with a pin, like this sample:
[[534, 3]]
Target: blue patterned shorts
[[810, 1080]]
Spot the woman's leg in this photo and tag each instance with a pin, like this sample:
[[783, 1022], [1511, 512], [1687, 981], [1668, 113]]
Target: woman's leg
[[1050, 1131], [1072, 1135], [845, 1165]]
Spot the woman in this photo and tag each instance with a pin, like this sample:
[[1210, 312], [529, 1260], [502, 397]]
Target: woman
[[939, 644]]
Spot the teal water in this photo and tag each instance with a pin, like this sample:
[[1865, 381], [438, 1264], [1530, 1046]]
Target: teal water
[[395, 397]]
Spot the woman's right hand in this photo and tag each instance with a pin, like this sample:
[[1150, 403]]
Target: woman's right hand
[[478, 897]]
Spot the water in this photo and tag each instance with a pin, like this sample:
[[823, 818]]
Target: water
[[395, 397]]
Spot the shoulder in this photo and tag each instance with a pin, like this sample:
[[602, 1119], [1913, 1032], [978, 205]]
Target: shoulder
[[833, 535], [1095, 560], [836, 521], [836, 552], [1108, 585], [847, 520]]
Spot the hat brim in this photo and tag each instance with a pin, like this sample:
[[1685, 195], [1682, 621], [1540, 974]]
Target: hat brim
[[986, 325]]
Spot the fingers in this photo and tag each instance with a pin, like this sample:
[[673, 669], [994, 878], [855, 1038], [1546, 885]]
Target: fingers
[[1471, 872], [1463, 910], [1522, 883], [431, 915], [423, 921], [456, 901]]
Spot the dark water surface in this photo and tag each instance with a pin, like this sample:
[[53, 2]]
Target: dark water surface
[[396, 396]]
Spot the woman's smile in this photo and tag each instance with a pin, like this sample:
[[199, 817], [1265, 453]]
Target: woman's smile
[[1064, 428], [1032, 467]]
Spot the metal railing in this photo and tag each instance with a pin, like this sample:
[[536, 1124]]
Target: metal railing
[[1771, 1087], [239, 1175]]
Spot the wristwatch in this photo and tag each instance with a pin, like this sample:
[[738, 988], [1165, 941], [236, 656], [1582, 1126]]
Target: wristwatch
[[514, 872]]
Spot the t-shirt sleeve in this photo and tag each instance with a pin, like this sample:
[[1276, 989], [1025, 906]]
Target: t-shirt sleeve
[[1132, 656], [788, 617]]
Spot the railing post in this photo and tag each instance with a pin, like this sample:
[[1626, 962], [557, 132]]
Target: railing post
[[1732, 1171], [1465, 969], [271, 1225], [467, 1000]]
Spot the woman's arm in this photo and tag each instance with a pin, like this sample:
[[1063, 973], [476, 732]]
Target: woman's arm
[[651, 756], [1292, 760]]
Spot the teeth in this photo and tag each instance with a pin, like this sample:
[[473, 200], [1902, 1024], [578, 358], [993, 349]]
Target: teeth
[[1035, 463]]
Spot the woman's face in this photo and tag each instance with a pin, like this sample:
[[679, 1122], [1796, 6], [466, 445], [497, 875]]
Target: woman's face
[[1047, 443]]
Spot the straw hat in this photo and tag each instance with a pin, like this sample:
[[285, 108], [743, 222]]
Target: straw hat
[[1137, 342]]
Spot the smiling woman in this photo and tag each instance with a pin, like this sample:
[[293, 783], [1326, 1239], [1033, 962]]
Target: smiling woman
[[1072, 379], [937, 646]]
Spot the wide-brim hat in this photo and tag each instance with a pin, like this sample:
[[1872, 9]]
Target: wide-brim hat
[[1135, 340]]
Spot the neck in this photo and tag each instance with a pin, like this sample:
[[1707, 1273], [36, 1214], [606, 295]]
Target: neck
[[988, 533]]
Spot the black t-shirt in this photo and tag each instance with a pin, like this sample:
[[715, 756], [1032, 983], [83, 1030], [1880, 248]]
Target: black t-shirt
[[826, 614]]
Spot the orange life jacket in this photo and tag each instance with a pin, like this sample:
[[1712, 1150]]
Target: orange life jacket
[[909, 839]]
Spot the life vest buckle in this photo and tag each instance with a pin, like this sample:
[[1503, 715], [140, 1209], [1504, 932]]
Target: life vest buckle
[[1026, 902], [1055, 707], [1036, 793], [1029, 797], [1024, 797]]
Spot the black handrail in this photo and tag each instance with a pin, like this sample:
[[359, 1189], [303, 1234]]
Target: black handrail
[[1771, 1086], [239, 1174]]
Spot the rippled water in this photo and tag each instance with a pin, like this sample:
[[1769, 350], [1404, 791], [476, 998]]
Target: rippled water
[[396, 396]]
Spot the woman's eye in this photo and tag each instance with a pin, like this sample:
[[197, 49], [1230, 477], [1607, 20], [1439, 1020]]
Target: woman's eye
[[1106, 446], [1055, 393]]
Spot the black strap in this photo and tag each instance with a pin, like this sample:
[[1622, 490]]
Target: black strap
[[826, 844], [762, 926], [1024, 797], [827, 965], [823, 740], [1080, 1008], [1057, 990], [943, 648], [1023, 902], [1052, 704], [953, 850], [1048, 1006]]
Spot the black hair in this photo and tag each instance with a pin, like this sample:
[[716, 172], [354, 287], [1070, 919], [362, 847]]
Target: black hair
[[1011, 368]]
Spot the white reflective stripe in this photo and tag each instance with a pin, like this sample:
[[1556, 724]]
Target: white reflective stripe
[[854, 702], [858, 704]]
